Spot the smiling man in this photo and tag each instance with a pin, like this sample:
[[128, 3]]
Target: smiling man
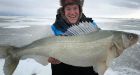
[[68, 14]]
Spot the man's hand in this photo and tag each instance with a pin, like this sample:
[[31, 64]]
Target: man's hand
[[53, 60]]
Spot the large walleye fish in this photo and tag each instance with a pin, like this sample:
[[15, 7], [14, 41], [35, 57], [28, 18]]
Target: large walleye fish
[[95, 49]]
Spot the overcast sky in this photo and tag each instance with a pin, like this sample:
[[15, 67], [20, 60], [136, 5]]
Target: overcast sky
[[93, 8]]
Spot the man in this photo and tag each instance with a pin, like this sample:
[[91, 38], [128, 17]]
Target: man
[[69, 13]]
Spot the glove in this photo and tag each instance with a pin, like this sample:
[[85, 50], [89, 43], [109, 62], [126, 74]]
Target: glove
[[53, 60]]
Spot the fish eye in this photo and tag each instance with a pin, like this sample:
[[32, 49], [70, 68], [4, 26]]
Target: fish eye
[[130, 36]]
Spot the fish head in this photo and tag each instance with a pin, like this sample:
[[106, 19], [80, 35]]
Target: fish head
[[129, 39], [123, 40]]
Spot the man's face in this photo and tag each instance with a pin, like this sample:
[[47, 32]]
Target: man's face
[[72, 13]]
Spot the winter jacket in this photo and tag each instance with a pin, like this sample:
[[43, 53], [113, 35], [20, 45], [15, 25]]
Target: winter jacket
[[60, 26]]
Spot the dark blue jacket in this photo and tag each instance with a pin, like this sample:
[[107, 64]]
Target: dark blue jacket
[[60, 26]]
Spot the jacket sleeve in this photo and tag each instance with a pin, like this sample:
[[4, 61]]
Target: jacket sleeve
[[56, 31], [95, 26]]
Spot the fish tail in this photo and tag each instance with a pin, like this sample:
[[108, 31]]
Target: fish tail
[[10, 65], [4, 51], [11, 60]]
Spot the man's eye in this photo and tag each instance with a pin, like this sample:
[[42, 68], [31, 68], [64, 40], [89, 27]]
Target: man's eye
[[75, 8], [68, 9]]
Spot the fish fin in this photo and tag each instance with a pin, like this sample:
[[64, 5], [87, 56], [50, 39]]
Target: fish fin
[[81, 28], [101, 67], [111, 54], [40, 59], [10, 65]]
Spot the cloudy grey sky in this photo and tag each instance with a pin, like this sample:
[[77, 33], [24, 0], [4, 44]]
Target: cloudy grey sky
[[48, 8]]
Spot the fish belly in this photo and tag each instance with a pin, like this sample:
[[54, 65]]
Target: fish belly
[[81, 54]]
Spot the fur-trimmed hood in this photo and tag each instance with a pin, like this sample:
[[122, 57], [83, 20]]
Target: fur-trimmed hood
[[66, 2]]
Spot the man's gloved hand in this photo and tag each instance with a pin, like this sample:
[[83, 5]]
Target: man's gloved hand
[[53, 60]]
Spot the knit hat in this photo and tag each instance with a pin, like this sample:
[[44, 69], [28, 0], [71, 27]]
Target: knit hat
[[66, 2]]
